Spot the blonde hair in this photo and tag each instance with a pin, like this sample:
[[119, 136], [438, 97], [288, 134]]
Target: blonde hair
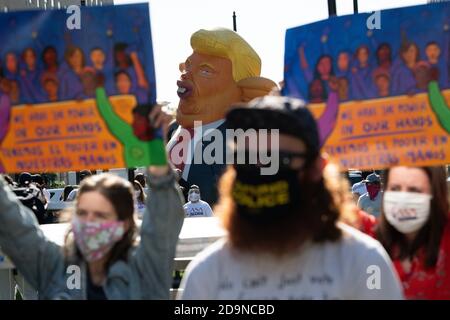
[[228, 44]]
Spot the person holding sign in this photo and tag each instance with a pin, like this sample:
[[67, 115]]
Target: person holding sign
[[414, 228], [284, 240], [100, 259]]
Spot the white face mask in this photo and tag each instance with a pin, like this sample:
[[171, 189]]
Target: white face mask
[[194, 196], [406, 211]]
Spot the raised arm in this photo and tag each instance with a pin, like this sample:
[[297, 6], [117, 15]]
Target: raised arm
[[304, 64], [142, 81], [327, 120], [161, 225], [23, 242], [116, 125], [439, 105]]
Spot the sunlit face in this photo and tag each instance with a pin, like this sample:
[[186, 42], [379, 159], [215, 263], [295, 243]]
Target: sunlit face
[[123, 83], [76, 59], [343, 61], [92, 206], [11, 62], [30, 58], [98, 59], [408, 179], [410, 55], [363, 55], [433, 52], [206, 89], [324, 66]]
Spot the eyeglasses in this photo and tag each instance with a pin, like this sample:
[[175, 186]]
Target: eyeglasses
[[295, 160], [289, 159]]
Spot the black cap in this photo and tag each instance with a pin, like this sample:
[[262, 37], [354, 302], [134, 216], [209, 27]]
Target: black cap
[[37, 178], [84, 174], [25, 179], [372, 178], [289, 115]]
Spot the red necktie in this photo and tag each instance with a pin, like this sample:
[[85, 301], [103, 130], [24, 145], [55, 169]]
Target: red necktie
[[183, 145]]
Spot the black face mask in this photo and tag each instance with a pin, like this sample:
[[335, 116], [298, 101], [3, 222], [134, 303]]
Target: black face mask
[[265, 197]]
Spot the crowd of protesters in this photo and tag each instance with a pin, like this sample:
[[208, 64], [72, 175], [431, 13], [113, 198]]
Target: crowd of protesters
[[360, 75], [36, 77], [312, 241]]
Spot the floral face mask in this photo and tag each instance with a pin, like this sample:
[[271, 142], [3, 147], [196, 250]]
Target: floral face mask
[[95, 239]]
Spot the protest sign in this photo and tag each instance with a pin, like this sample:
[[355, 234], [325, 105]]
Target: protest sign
[[79, 97], [380, 91]]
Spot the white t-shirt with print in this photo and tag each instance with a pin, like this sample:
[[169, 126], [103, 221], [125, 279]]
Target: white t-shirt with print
[[198, 209], [354, 267]]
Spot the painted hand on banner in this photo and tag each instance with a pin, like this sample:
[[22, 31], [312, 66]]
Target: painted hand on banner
[[439, 105]]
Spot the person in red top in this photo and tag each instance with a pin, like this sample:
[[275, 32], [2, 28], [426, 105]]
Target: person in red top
[[414, 228]]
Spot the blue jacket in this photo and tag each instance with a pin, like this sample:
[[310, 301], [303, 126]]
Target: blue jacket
[[206, 176], [146, 275]]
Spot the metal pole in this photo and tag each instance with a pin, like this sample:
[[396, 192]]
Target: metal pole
[[234, 22], [332, 8], [355, 6]]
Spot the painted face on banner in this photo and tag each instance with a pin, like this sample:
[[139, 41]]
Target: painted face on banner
[[123, 83], [11, 62], [206, 89], [76, 59], [50, 57], [384, 53], [51, 87], [324, 66], [98, 58], [410, 55], [363, 55], [433, 52], [29, 58], [343, 61]]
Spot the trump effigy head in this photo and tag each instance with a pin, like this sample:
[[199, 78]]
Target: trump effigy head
[[222, 70]]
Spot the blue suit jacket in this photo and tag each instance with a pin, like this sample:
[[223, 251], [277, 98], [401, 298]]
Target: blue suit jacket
[[206, 176]]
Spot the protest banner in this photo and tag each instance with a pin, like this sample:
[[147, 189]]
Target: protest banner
[[77, 97], [379, 91]]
